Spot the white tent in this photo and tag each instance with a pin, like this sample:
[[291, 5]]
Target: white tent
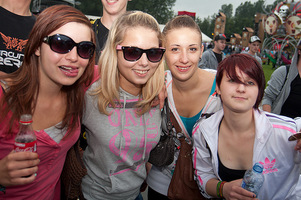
[[205, 38]]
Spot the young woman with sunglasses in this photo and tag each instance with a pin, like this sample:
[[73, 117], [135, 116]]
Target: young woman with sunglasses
[[240, 135], [50, 85], [191, 90], [121, 125]]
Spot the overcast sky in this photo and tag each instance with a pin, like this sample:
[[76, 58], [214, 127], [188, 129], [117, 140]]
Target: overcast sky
[[205, 8]]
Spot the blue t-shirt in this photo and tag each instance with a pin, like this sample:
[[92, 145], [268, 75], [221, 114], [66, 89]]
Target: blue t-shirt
[[190, 121]]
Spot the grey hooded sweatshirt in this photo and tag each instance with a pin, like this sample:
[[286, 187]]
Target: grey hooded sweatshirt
[[118, 147], [279, 86]]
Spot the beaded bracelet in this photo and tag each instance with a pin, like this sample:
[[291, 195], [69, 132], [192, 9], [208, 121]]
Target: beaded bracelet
[[219, 189]]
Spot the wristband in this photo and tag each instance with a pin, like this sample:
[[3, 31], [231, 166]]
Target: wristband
[[219, 188], [2, 189]]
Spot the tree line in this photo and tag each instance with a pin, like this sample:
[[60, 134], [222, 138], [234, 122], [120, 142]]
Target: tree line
[[244, 16], [162, 10]]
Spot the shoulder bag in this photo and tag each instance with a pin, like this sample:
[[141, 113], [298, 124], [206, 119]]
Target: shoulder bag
[[163, 153], [182, 185]]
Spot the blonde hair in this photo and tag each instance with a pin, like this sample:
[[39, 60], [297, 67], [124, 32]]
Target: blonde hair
[[108, 90]]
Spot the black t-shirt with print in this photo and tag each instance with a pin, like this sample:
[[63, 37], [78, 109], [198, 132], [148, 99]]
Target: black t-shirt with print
[[14, 32]]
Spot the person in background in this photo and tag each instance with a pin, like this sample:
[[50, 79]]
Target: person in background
[[254, 47], [212, 57], [122, 127], [111, 10], [184, 80], [210, 45], [57, 67], [16, 22], [284, 88], [235, 138]]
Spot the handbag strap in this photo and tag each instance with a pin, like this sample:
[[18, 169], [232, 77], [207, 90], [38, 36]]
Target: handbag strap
[[177, 127], [175, 122], [168, 120]]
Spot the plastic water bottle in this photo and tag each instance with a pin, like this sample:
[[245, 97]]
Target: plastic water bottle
[[26, 139], [253, 179]]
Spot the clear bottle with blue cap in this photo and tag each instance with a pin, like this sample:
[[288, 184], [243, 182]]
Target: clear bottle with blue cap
[[253, 179]]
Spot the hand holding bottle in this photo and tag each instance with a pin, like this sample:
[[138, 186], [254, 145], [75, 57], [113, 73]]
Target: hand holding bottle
[[21, 165], [18, 168], [233, 190]]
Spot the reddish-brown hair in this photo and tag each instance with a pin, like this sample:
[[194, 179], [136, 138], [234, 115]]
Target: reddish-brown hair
[[246, 64], [23, 89]]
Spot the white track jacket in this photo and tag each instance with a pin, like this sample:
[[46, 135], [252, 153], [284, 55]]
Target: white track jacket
[[271, 148]]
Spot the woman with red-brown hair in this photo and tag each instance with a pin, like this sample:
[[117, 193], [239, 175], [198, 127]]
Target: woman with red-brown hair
[[50, 85], [233, 139]]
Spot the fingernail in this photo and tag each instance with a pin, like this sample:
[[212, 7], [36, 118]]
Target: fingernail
[[161, 109], [35, 174]]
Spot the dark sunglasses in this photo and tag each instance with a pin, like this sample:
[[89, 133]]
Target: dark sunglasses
[[134, 53], [63, 44]]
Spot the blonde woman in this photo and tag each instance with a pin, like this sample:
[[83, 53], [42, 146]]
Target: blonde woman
[[121, 126]]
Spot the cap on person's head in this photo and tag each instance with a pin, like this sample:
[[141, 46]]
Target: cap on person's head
[[220, 37], [255, 38]]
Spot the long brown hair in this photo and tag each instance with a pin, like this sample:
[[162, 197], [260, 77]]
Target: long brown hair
[[21, 96]]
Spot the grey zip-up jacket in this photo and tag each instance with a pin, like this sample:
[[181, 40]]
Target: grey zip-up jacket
[[209, 60], [277, 91]]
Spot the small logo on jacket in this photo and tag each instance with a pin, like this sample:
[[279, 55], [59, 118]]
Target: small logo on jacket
[[269, 166]]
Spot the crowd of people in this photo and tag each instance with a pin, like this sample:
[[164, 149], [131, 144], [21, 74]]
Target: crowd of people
[[107, 77]]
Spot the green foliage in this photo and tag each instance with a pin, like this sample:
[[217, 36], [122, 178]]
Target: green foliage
[[206, 25], [90, 7], [227, 10], [160, 9]]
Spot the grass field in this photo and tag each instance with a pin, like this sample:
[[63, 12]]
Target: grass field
[[267, 69]]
